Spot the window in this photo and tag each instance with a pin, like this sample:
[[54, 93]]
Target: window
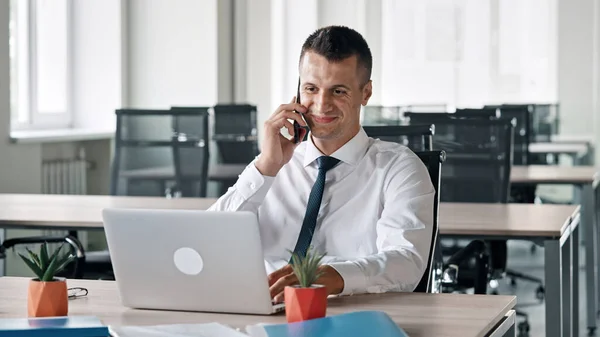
[[40, 64]]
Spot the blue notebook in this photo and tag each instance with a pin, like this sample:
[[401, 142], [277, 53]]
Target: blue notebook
[[67, 326], [355, 324]]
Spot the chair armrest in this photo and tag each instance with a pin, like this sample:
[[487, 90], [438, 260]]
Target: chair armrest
[[72, 241], [476, 249]]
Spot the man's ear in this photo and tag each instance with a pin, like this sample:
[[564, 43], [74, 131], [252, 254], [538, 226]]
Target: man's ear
[[367, 91]]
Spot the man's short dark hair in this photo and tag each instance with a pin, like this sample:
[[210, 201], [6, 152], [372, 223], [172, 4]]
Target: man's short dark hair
[[337, 43]]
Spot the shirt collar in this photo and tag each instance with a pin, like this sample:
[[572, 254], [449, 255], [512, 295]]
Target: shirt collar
[[349, 153]]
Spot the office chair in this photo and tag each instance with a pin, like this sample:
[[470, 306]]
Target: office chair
[[430, 282], [235, 133], [415, 137], [142, 162], [521, 138], [236, 137], [191, 154]]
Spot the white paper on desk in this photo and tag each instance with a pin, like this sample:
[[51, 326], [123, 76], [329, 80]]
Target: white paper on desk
[[176, 330]]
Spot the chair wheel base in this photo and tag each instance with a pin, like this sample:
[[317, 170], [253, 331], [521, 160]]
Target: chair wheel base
[[533, 249], [523, 328], [540, 293]]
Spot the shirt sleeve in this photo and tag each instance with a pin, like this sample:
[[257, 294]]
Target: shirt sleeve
[[404, 234], [248, 192]]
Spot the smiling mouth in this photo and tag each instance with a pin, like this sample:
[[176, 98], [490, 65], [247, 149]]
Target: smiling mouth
[[323, 120]]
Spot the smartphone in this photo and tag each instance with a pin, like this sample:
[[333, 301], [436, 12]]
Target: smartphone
[[297, 127]]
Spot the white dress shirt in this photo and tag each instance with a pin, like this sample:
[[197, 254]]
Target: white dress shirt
[[376, 217]]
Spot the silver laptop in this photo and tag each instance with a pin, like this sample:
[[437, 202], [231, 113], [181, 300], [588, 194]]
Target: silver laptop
[[188, 260]]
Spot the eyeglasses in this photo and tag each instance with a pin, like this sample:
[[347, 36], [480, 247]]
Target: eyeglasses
[[76, 292]]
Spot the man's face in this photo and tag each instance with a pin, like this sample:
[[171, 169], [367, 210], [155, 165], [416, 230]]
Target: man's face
[[333, 94]]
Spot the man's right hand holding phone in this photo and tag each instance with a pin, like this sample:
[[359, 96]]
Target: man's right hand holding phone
[[276, 150]]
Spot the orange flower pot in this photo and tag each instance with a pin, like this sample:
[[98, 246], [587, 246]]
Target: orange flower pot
[[45, 299], [302, 304]]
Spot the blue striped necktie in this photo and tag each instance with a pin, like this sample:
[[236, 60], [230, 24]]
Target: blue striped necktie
[[313, 206]]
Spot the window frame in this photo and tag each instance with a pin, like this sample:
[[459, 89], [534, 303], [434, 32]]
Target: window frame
[[35, 119]]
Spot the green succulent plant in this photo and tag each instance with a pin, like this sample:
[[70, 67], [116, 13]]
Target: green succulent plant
[[46, 266], [307, 268]]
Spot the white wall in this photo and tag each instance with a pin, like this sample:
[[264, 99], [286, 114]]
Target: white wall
[[576, 64], [259, 88], [97, 63], [172, 53]]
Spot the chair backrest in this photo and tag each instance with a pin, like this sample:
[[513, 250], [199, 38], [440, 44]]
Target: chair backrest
[[142, 141], [235, 133], [415, 137], [523, 127], [191, 150], [478, 157], [478, 113], [235, 119], [522, 133], [433, 161], [544, 122]]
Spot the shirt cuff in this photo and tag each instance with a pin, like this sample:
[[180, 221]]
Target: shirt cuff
[[354, 278], [252, 184]]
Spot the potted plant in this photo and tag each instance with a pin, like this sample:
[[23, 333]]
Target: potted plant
[[47, 294], [306, 300]]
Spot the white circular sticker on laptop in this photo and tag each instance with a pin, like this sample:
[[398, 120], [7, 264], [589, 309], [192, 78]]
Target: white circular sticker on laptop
[[188, 261]]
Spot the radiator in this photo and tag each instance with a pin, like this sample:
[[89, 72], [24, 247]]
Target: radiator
[[65, 176]]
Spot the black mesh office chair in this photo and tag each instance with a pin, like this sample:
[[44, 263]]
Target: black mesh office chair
[[521, 155], [143, 158], [236, 137], [431, 280], [478, 151], [544, 121], [191, 150], [415, 137], [235, 133], [522, 137]]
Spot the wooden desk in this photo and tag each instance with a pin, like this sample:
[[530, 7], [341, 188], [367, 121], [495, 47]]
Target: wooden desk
[[555, 226], [550, 224], [547, 174], [570, 148], [585, 179], [74, 212], [418, 314], [579, 147], [584, 138], [506, 220]]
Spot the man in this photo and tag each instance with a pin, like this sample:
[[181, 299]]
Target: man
[[373, 213]]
